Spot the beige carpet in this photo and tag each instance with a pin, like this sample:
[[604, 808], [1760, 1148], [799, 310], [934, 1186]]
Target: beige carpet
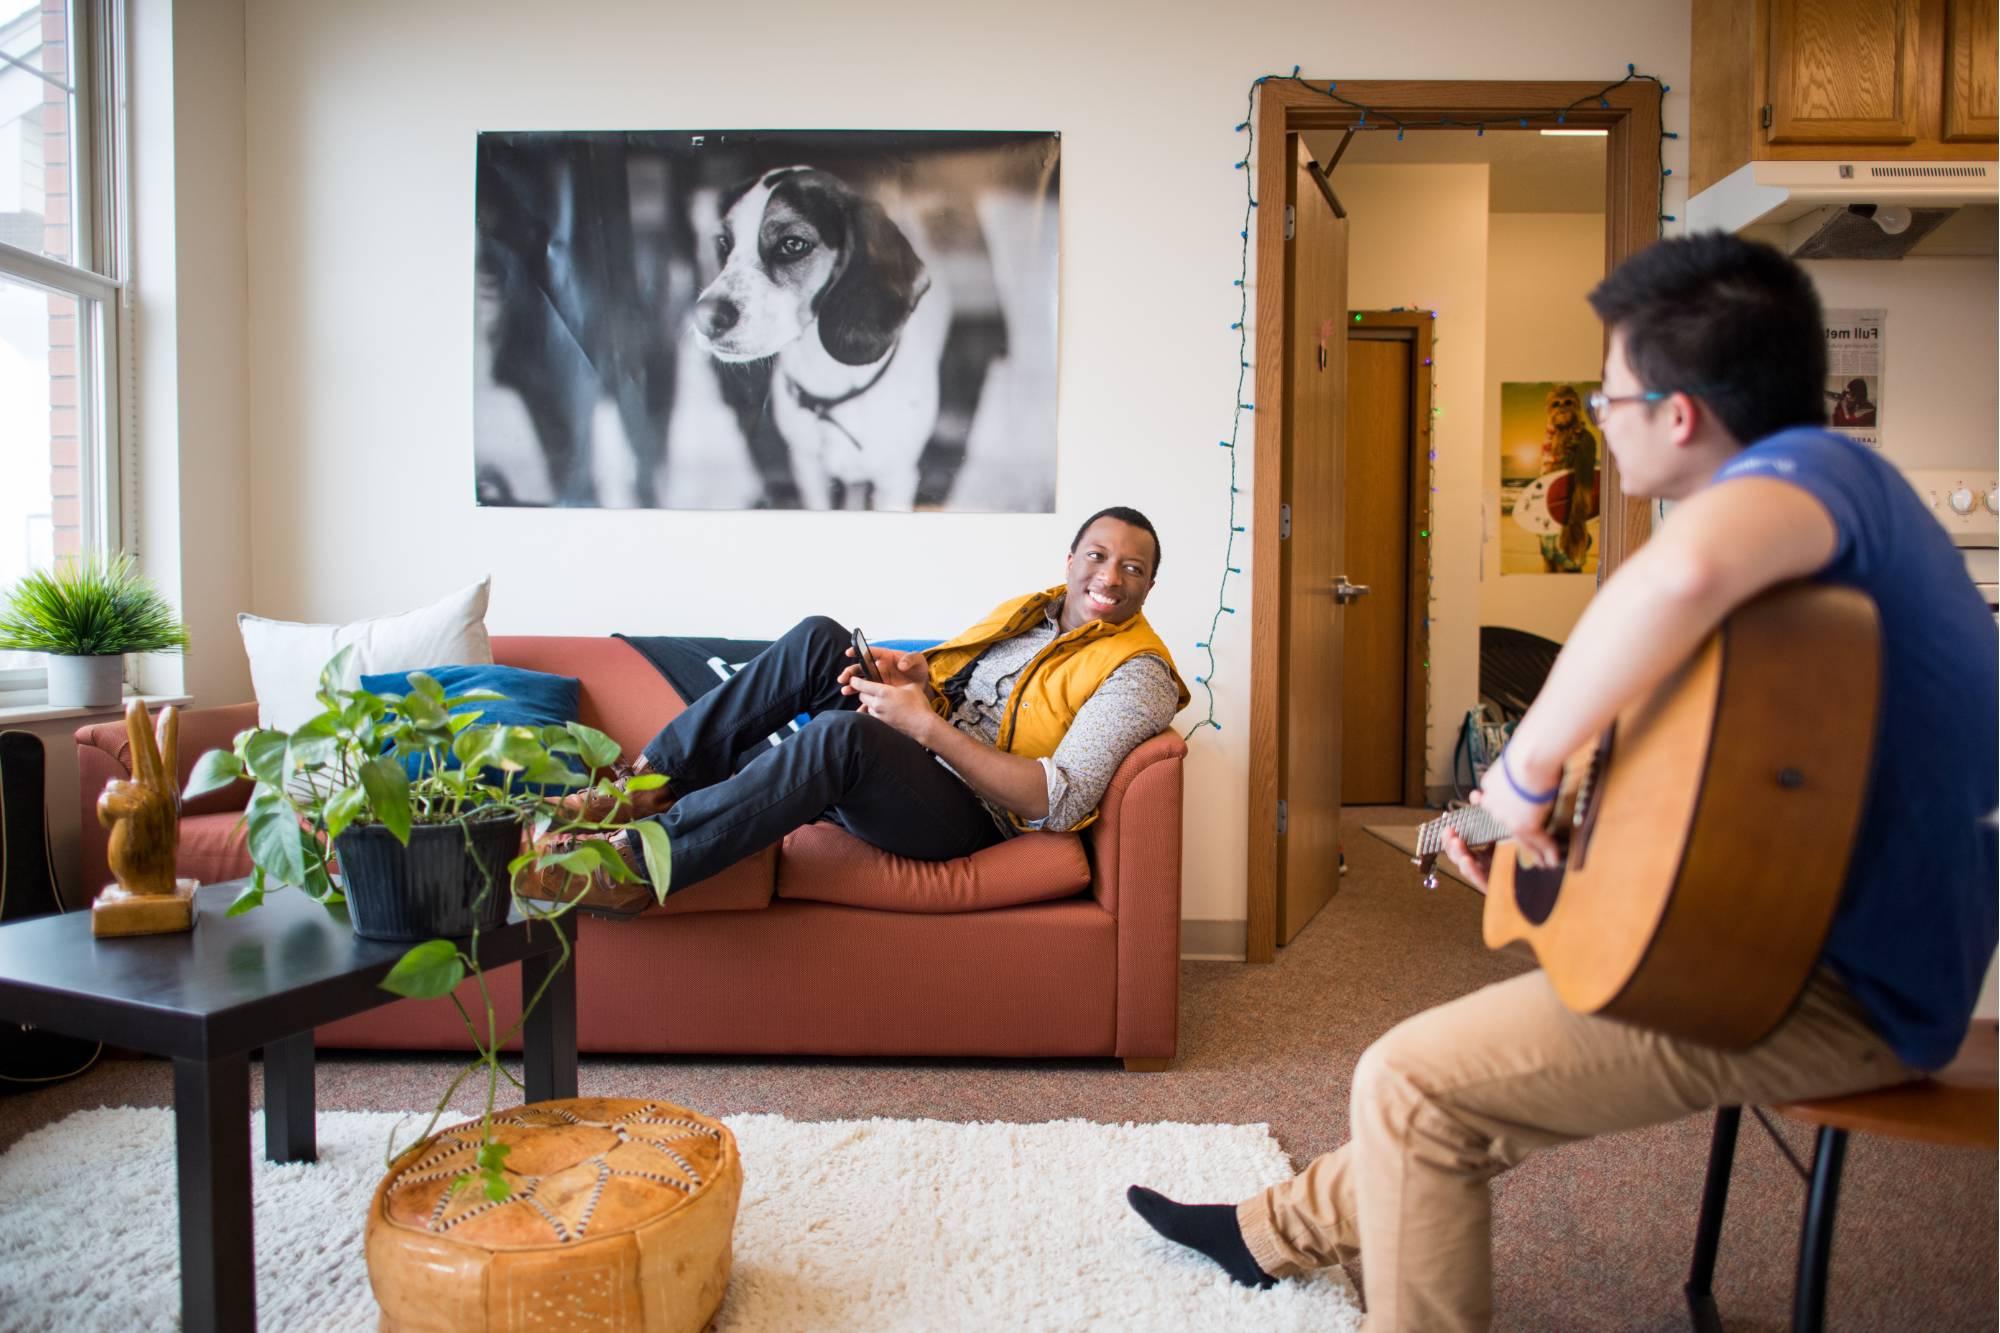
[[1594, 1236]]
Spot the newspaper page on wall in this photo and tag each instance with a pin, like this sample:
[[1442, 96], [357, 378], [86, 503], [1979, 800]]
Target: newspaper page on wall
[[1854, 374]]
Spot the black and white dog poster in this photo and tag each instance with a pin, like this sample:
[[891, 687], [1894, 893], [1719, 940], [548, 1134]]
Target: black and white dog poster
[[767, 319]]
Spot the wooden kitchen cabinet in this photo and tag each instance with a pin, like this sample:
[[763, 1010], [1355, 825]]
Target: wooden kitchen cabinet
[[1971, 104], [1842, 71], [1858, 80]]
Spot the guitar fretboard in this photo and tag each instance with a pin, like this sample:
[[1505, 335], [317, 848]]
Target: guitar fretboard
[[1472, 823]]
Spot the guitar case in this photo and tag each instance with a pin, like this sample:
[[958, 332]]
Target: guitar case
[[30, 1057]]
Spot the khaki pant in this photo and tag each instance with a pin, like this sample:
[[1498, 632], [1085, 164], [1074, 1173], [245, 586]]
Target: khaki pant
[[1452, 1097]]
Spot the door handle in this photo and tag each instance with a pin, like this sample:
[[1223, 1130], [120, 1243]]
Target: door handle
[[1345, 592]]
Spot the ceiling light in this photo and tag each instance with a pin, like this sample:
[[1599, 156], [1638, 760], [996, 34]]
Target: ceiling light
[[1893, 219], [1576, 134]]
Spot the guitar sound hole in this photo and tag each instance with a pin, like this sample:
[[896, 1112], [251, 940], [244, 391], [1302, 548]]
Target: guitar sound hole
[[1536, 891]]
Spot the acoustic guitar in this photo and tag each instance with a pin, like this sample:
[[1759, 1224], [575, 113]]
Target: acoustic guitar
[[1706, 834], [29, 1055]]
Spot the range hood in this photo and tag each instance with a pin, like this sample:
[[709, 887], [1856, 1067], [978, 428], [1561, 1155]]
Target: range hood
[[1855, 210]]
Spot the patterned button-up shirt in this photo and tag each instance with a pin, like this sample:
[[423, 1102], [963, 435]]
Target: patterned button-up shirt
[[1134, 703]]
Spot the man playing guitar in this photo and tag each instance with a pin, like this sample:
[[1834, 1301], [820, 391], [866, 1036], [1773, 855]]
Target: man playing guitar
[[1712, 397]]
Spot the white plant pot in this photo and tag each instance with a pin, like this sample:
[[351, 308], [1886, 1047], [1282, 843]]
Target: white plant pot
[[86, 682]]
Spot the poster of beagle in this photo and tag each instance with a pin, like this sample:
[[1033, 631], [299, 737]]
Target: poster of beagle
[[767, 319]]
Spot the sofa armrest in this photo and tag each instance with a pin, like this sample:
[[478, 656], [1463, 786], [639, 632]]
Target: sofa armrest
[[1135, 855], [104, 752]]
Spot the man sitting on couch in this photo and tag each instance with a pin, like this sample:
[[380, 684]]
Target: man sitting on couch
[[1018, 723]]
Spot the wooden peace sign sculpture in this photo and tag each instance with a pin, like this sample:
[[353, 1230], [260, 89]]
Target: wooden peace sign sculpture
[[144, 816]]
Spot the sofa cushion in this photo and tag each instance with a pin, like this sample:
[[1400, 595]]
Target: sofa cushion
[[286, 657], [826, 863], [743, 887], [533, 699], [213, 847], [622, 695]]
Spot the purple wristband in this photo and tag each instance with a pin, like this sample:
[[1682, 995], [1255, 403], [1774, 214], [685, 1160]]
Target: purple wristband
[[1532, 798]]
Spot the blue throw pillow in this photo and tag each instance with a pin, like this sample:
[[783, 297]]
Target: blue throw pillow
[[534, 699]]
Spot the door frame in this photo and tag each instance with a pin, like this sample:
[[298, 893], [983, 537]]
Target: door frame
[[1413, 327], [1632, 180]]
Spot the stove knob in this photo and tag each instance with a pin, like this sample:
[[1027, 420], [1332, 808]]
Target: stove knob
[[1993, 499], [1962, 500]]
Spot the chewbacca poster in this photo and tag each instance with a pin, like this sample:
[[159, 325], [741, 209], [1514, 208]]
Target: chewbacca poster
[[1549, 490]]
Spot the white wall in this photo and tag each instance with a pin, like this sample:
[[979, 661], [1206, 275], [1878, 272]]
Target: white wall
[[1538, 327], [210, 526], [361, 122], [187, 504], [1940, 399], [1417, 237], [186, 486]]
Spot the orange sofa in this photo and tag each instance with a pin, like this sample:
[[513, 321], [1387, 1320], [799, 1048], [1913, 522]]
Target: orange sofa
[[824, 946]]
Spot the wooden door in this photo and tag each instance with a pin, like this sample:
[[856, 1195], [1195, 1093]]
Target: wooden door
[[1971, 72], [1311, 486], [1843, 71], [1374, 703]]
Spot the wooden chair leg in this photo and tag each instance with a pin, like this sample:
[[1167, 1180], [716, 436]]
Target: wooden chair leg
[[1708, 1227], [1816, 1240], [1137, 1065]]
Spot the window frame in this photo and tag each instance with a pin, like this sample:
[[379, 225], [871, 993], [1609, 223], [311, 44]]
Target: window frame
[[98, 282]]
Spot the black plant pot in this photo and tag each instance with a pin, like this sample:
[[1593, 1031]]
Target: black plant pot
[[428, 889]]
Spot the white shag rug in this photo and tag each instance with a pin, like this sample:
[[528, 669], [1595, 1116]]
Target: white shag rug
[[846, 1224]]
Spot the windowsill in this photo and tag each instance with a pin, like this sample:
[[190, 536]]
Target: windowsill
[[13, 714]]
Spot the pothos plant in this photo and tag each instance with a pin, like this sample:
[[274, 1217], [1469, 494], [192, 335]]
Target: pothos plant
[[345, 767]]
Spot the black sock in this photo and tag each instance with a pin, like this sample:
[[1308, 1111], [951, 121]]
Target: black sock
[[1208, 1227]]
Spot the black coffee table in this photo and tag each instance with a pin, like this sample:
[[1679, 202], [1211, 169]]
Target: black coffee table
[[210, 996]]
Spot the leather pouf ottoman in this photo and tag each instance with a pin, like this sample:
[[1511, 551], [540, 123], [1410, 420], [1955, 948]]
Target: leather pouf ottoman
[[620, 1218]]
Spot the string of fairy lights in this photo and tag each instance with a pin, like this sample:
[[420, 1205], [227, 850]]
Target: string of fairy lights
[[1381, 121]]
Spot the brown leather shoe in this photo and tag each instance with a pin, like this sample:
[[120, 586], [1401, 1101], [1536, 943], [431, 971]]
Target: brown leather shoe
[[600, 896], [593, 805]]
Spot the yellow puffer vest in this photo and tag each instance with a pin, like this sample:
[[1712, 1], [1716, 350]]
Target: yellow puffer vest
[[1052, 687]]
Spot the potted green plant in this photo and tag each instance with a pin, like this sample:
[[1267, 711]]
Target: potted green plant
[[436, 857], [86, 615]]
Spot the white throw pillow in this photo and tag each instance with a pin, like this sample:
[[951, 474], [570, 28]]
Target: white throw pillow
[[286, 656]]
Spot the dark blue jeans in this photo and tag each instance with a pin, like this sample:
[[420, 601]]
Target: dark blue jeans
[[869, 778]]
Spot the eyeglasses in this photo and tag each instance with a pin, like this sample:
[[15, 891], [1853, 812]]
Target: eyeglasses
[[1597, 403]]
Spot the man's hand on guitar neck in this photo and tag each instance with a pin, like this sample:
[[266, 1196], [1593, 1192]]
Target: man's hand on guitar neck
[[1508, 794], [1475, 866]]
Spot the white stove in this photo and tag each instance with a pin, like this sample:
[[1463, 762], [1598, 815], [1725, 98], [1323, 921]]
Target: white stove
[[1967, 503], [1968, 506]]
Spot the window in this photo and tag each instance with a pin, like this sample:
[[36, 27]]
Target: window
[[61, 271]]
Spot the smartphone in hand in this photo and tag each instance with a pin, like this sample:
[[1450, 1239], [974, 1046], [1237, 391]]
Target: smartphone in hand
[[865, 657]]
